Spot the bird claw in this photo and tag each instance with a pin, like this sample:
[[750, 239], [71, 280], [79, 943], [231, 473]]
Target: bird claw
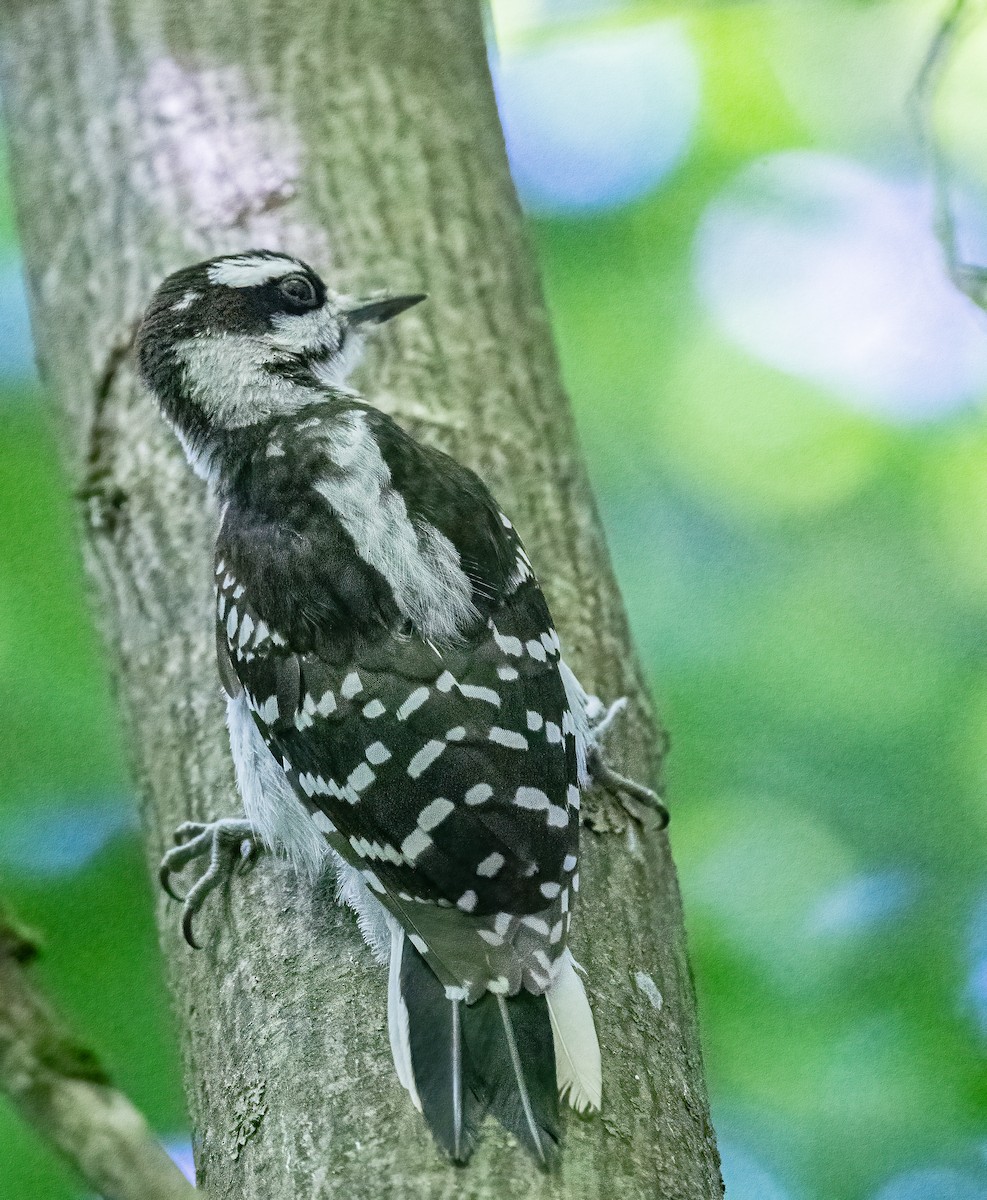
[[642, 804], [231, 845]]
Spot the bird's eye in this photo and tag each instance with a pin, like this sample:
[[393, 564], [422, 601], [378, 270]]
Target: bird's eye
[[300, 290]]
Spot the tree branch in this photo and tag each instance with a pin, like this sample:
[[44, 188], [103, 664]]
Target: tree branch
[[58, 1087], [969, 278], [363, 136]]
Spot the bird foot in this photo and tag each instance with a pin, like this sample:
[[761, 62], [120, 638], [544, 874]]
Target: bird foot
[[641, 804], [230, 844]]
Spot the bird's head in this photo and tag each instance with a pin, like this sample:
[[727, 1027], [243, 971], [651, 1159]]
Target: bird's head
[[238, 339]]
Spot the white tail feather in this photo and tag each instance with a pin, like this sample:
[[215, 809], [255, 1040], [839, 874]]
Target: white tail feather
[[577, 1051], [397, 1017]]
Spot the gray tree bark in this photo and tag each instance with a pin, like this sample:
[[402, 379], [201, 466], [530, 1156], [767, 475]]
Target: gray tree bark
[[361, 135]]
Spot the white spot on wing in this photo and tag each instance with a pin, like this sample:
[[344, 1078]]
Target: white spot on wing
[[536, 650], [490, 865], [508, 738], [508, 645], [352, 684], [415, 844], [414, 701], [377, 753], [362, 777], [533, 798], [538, 924], [435, 813], [425, 757]]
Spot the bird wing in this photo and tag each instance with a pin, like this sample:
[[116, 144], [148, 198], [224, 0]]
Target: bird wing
[[447, 774]]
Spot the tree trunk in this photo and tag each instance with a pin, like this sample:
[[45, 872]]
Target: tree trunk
[[361, 135]]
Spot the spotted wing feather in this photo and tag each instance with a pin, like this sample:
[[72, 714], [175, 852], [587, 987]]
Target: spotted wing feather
[[446, 773]]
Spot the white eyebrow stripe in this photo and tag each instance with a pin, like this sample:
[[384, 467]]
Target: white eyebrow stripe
[[249, 270]]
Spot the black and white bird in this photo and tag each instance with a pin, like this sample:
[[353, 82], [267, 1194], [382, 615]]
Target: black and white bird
[[397, 700]]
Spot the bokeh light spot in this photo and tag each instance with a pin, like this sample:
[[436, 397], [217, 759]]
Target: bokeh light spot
[[63, 839], [179, 1150], [820, 267], [744, 1177], [593, 122], [862, 903], [933, 1183], [16, 346], [976, 988]]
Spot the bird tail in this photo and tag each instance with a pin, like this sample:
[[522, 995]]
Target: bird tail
[[507, 1055], [577, 1050]]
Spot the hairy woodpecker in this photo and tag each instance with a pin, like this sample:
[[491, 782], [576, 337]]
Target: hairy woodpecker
[[397, 700]]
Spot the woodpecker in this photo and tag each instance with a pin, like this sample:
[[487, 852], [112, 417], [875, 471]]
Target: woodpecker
[[397, 700]]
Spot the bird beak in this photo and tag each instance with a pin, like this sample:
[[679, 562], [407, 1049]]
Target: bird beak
[[375, 312]]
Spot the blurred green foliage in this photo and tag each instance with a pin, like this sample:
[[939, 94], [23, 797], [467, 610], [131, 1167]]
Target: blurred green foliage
[[60, 751], [808, 587]]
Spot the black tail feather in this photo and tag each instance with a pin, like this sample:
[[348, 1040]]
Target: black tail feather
[[495, 1054], [510, 1040], [443, 1073]]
